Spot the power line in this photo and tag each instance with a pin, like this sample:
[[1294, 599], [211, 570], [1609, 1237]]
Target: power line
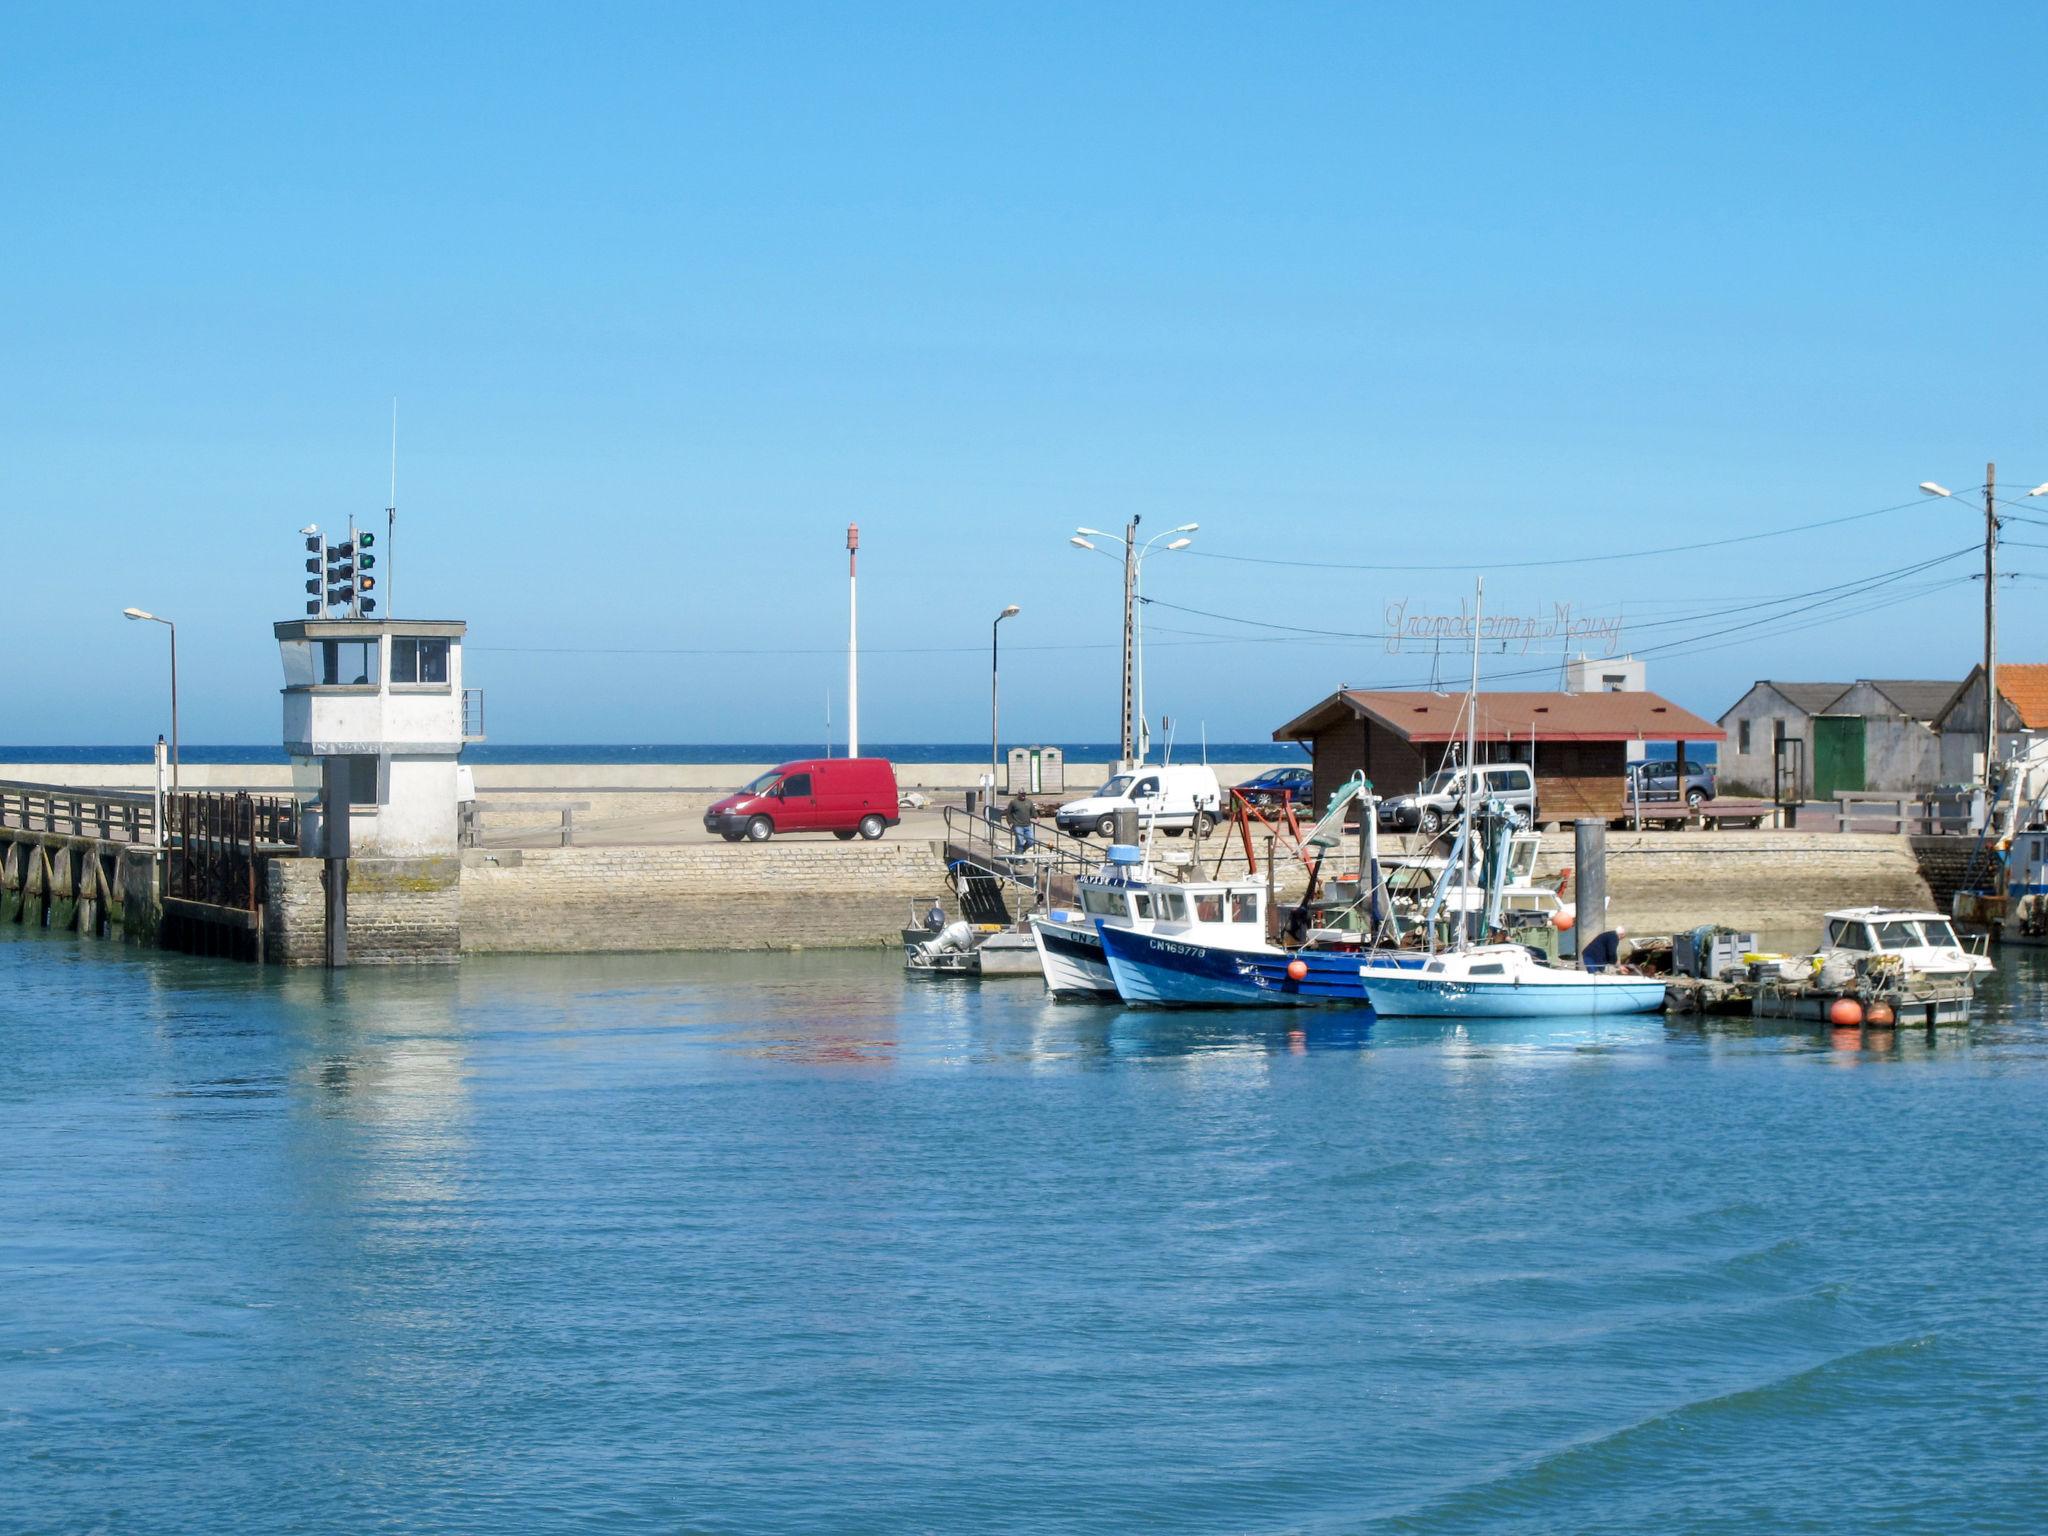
[[1881, 576], [1632, 554]]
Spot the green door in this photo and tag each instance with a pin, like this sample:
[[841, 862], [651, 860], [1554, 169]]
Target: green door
[[1837, 754]]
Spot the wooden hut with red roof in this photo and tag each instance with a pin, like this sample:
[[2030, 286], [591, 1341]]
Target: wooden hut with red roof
[[1577, 744]]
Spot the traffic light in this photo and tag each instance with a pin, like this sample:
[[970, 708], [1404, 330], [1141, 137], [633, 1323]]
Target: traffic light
[[316, 551], [341, 573], [369, 606]]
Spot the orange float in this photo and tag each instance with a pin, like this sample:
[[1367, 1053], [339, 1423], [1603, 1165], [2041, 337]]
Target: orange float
[[1845, 1010], [1297, 970]]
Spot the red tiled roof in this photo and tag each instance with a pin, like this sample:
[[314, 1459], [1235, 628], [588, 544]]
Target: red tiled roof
[[1438, 717], [2024, 685]]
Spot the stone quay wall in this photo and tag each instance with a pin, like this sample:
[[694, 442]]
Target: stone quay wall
[[1777, 883], [777, 895], [400, 911]]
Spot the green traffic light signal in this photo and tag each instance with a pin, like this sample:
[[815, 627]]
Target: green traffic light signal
[[366, 539], [366, 562]]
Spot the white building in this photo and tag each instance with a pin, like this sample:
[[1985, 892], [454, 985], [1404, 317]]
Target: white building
[[2022, 720], [383, 701], [1611, 674]]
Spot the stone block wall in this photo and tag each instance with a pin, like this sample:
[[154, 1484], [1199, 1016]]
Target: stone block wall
[[722, 896], [1945, 862], [1777, 883], [400, 911]]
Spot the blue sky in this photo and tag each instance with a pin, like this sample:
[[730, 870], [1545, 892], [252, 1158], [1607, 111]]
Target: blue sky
[[669, 294]]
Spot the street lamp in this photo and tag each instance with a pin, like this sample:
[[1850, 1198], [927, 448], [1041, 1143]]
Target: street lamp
[[1932, 488], [994, 638], [1134, 734], [137, 613]]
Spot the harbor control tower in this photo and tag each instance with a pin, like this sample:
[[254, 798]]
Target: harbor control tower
[[375, 720]]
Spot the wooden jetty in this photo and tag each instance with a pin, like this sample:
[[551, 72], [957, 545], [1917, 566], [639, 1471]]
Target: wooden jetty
[[1923, 1003], [184, 869]]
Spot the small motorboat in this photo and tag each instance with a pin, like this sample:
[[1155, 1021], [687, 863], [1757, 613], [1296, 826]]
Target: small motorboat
[[1917, 943]]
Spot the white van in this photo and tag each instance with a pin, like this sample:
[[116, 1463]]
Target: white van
[[1173, 800]]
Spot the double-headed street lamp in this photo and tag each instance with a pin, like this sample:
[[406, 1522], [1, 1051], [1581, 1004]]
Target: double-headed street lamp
[[994, 637], [1135, 730], [137, 613]]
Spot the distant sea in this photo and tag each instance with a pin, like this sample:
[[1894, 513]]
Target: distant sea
[[713, 752], [680, 752]]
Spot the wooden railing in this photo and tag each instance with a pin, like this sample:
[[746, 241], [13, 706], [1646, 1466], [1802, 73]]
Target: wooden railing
[[1867, 811], [471, 814], [112, 816]]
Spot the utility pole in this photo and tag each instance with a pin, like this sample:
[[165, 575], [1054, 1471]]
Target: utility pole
[[391, 522], [1990, 627], [852, 642], [1130, 611]]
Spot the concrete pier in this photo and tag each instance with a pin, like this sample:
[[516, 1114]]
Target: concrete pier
[[648, 879]]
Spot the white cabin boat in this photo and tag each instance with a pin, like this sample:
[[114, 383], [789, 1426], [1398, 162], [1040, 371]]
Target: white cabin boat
[[1919, 943]]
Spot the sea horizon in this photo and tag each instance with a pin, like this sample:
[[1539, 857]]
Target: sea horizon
[[1281, 753]]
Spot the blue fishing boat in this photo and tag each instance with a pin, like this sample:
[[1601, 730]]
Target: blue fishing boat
[[1179, 967]]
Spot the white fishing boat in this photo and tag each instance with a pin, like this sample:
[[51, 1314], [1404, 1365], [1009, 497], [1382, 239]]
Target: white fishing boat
[[1917, 943], [1070, 953], [1499, 981]]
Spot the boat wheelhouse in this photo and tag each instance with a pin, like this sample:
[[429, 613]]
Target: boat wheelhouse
[[1921, 943]]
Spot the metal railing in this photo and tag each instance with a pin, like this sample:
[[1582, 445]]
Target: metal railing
[[1856, 810], [992, 840], [112, 816], [213, 845], [472, 714]]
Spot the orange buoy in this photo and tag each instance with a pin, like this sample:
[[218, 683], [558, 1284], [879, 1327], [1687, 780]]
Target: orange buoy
[[1297, 970], [1562, 922], [1845, 1010], [1880, 1013]]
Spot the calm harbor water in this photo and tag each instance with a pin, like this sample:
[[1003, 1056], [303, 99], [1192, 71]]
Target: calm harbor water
[[744, 1244]]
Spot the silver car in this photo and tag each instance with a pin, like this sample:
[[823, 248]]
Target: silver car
[[1658, 780]]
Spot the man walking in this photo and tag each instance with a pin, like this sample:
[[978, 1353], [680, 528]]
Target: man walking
[[1022, 813]]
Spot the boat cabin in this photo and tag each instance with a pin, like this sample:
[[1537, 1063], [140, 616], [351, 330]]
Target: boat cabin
[[1922, 941], [1239, 908]]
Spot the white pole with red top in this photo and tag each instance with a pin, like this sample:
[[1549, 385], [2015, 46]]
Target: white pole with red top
[[852, 642]]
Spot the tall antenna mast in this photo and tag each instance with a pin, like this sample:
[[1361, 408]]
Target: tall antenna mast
[[391, 521]]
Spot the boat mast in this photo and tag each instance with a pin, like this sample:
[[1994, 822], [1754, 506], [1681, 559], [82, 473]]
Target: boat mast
[[1471, 765]]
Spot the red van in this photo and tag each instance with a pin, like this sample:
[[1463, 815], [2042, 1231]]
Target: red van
[[840, 795]]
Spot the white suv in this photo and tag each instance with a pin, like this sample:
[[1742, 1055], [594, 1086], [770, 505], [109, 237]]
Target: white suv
[[1439, 798]]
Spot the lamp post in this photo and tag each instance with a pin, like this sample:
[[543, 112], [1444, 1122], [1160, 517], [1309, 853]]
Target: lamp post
[[994, 716], [137, 613], [1932, 488], [1135, 731]]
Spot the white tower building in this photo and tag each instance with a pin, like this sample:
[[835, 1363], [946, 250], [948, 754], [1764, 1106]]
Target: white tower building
[[377, 707]]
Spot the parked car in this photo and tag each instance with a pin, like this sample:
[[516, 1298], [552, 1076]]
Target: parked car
[[840, 795], [1279, 786], [1658, 780], [1174, 800], [1439, 798]]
